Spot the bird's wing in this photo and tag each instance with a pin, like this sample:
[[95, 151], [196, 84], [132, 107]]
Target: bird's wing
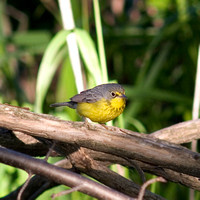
[[88, 96]]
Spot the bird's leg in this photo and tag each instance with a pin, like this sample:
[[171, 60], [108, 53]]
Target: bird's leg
[[109, 128], [87, 123], [106, 127]]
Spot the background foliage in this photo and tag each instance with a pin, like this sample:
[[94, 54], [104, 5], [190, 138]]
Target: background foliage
[[151, 49]]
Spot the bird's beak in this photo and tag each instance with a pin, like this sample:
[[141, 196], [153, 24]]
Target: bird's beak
[[123, 96]]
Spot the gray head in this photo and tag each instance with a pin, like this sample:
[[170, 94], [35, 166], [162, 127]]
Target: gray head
[[110, 90], [107, 91]]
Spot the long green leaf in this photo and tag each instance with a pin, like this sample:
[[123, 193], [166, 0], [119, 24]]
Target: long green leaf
[[89, 54], [48, 66]]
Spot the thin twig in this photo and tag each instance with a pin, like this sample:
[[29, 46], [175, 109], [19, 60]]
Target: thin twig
[[147, 183], [50, 151], [19, 196], [67, 191], [138, 169]]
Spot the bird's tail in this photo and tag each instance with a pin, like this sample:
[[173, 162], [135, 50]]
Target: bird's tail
[[70, 104]]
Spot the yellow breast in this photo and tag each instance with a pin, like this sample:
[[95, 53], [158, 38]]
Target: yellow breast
[[102, 111]]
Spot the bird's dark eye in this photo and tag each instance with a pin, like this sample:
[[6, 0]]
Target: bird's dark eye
[[113, 94]]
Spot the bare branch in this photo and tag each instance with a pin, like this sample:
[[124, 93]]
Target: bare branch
[[147, 183], [138, 146], [170, 175], [38, 184], [180, 133], [106, 146], [22, 142], [86, 164], [19, 196], [12, 140], [59, 175], [78, 187]]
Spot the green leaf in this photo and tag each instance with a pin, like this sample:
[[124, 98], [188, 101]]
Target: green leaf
[[32, 41], [50, 62], [30, 38], [89, 54]]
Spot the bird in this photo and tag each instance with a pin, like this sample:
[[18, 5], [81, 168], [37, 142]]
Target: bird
[[100, 104]]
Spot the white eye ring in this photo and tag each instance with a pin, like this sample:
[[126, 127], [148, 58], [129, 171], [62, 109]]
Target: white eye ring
[[113, 94]]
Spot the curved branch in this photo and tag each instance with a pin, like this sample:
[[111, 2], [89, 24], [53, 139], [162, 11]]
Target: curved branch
[[59, 175], [180, 133]]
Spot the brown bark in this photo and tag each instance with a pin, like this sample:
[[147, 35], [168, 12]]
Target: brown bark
[[102, 147]]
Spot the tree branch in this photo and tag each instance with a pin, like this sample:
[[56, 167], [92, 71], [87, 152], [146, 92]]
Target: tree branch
[[105, 146], [59, 175], [12, 141], [138, 146], [83, 162], [180, 133]]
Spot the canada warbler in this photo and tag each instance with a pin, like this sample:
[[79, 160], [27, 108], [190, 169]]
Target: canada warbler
[[100, 104]]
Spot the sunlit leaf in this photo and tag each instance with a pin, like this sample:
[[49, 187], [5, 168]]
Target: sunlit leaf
[[50, 62], [89, 54]]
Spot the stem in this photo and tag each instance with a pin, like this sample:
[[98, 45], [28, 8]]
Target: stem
[[68, 24], [100, 41]]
